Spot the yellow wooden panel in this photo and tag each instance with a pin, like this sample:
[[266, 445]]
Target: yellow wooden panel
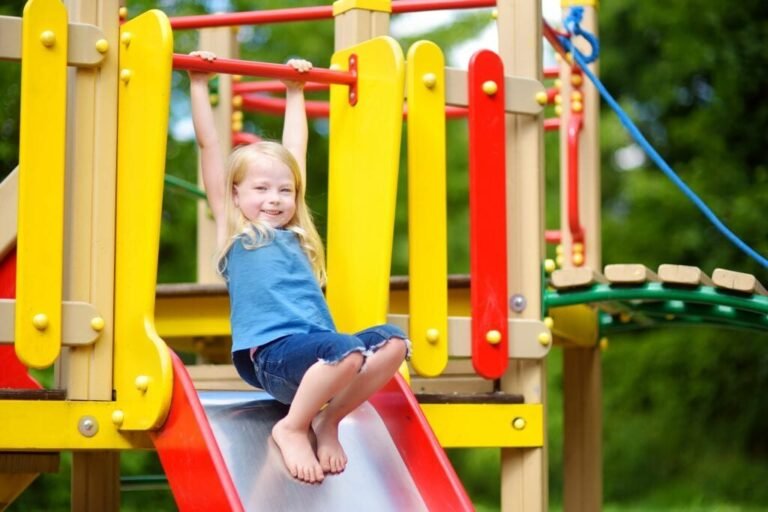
[[143, 374], [364, 157], [486, 425], [40, 240], [427, 232], [54, 425]]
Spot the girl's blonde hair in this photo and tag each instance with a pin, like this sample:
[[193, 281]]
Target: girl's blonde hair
[[258, 234]]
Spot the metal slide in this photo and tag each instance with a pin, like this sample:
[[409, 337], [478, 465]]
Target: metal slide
[[376, 478], [218, 454]]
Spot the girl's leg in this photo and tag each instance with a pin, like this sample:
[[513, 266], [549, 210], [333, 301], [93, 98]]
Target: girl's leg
[[379, 368], [320, 383]]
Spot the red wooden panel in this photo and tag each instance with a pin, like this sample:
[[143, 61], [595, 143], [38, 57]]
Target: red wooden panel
[[13, 374], [187, 448], [487, 210], [426, 460]]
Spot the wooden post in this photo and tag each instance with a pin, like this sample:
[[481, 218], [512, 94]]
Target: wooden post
[[524, 470], [89, 242], [582, 372]]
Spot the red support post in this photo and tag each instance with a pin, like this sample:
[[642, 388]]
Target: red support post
[[487, 206]]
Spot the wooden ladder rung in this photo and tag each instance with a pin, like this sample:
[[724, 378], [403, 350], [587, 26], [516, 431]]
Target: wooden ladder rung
[[683, 275], [629, 273], [577, 277], [737, 282]]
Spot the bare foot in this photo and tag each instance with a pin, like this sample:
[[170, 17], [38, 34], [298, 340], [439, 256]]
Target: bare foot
[[329, 450], [297, 453]]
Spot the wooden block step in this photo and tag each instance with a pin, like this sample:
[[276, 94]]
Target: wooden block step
[[737, 282], [577, 277], [629, 274], [683, 275]]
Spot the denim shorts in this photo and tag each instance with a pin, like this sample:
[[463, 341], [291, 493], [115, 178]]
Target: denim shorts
[[281, 364]]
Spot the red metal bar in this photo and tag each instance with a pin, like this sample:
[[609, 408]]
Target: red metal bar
[[551, 35], [323, 12], [239, 138], [189, 453], [551, 93], [13, 374], [269, 105], [312, 13], [553, 236], [422, 454], [271, 86], [487, 212], [574, 223], [262, 69], [318, 109], [403, 6], [552, 124]]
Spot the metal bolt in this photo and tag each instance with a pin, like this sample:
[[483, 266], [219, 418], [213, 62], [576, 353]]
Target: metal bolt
[[518, 423], [88, 426], [433, 335], [517, 303]]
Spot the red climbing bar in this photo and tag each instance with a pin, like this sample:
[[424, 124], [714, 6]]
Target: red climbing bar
[[270, 105], [231, 19], [271, 86], [574, 221], [322, 12], [552, 124], [402, 6], [487, 212], [262, 69]]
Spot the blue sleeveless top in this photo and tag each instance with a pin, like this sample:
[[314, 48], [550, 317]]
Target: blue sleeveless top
[[273, 293]]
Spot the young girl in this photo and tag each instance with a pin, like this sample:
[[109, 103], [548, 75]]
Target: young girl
[[283, 337]]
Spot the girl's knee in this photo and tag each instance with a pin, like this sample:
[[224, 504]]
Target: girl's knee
[[353, 360]]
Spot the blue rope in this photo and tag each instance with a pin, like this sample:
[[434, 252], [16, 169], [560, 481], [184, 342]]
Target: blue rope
[[572, 25]]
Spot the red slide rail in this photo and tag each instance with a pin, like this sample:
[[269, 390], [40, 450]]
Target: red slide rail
[[189, 453]]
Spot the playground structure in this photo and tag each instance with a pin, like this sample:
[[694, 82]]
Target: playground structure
[[92, 202]]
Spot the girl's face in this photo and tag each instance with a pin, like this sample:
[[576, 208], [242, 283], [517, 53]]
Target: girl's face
[[267, 193]]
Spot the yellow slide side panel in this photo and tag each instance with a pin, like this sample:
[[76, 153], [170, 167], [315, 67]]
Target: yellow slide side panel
[[487, 425], [427, 232], [42, 143], [56, 425], [364, 158], [143, 372]]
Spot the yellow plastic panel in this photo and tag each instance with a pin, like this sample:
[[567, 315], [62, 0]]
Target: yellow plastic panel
[[143, 372], [342, 6], [575, 324], [53, 425], [486, 425], [364, 157], [427, 232], [40, 238]]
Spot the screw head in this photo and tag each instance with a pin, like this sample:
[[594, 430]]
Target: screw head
[[518, 423], [493, 337], [102, 45], [490, 87], [517, 303], [429, 80], [97, 324], [88, 426], [433, 335]]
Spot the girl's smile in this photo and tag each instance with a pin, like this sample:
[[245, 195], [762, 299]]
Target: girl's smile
[[267, 193]]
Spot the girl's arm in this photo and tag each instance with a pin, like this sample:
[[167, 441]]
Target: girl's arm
[[295, 131], [211, 159]]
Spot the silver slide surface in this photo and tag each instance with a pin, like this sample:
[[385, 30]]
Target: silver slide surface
[[376, 478]]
